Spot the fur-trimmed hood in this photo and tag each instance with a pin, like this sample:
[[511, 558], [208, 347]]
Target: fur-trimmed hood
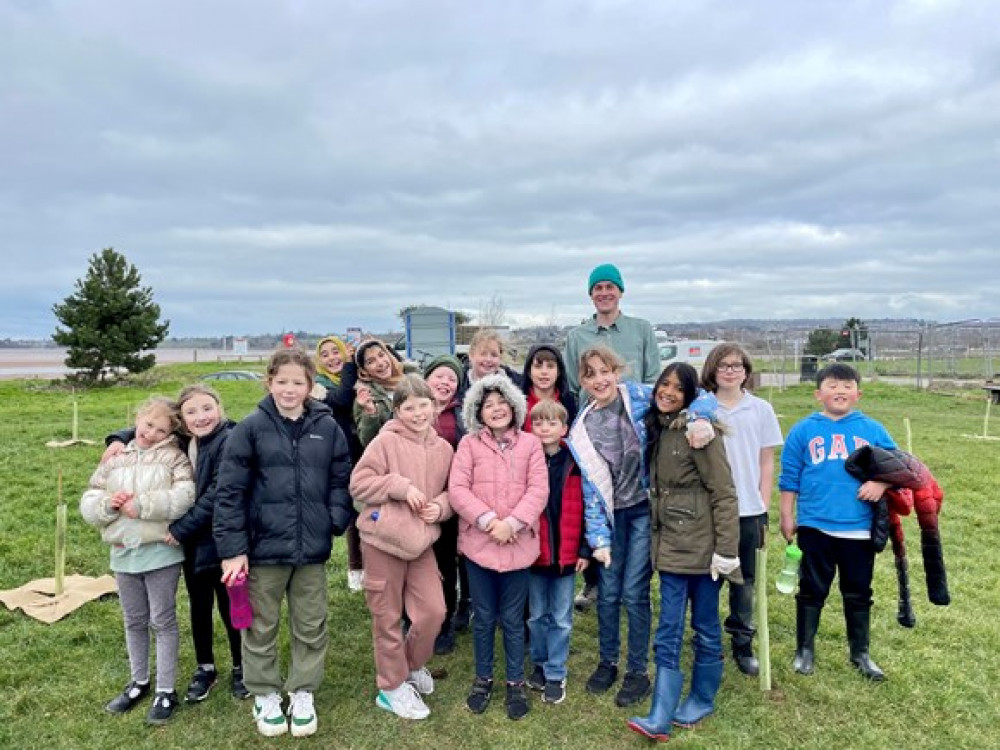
[[476, 394]]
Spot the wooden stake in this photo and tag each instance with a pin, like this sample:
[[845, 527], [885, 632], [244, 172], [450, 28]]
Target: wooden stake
[[764, 643], [75, 432], [986, 419], [909, 435], [60, 539]]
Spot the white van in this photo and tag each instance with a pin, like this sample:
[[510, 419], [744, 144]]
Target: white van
[[693, 352]]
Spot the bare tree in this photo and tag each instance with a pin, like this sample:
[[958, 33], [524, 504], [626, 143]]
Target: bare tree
[[492, 311]]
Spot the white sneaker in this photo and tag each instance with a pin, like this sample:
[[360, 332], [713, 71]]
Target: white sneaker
[[421, 680], [355, 580], [404, 701], [267, 713], [302, 713]]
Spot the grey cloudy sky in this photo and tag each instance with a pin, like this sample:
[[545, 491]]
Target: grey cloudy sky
[[317, 165]]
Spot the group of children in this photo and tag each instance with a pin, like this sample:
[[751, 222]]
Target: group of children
[[490, 487]]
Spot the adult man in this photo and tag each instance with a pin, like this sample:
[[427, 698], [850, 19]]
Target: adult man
[[631, 337]]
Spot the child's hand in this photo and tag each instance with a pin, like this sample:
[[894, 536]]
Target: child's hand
[[169, 539], [430, 513], [872, 491], [723, 566], [232, 567], [603, 556], [129, 508], [365, 399], [416, 499], [318, 391], [119, 498], [700, 433], [788, 527], [501, 532], [112, 450], [582, 564]]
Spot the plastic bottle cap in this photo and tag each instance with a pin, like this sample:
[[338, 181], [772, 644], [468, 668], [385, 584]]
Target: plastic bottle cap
[[793, 551]]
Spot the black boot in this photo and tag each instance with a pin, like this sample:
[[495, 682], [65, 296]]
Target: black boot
[[937, 579], [746, 662], [904, 615], [858, 623], [806, 625]]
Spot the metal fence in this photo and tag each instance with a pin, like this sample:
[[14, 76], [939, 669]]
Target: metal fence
[[961, 352]]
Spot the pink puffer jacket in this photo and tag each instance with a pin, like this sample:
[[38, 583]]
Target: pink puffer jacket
[[512, 482]]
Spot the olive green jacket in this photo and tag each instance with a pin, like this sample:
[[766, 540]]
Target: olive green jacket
[[693, 504]]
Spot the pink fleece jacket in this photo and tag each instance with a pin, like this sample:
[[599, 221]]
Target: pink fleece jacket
[[512, 482], [394, 461]]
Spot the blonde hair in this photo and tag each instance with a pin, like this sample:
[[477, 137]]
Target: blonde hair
[[484, 336], [611, 359], [294, 356], [410, 385], [160, 406], [197, 389], [549, 409]]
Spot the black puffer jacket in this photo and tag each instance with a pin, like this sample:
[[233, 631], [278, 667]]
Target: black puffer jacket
[[280, 501], [194, 528]]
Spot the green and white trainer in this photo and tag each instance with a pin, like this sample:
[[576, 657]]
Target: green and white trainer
[[302, 714], [267, 713]]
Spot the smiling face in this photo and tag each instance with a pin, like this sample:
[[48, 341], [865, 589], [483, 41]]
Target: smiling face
[[329, 356], [290, 387], [485, 359], [543, 374], [416, 414], [378, 363], [599, 381], [151, 427], [605, 296], [838, 396], [201, 414], [443, 383], [669, 395], [496, 413]]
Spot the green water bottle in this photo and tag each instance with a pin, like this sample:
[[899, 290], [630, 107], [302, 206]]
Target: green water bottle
[[788, 578]]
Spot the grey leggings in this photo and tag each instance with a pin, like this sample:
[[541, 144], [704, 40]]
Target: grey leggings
[[150, 600]]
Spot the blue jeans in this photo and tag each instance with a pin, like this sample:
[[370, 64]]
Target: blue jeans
[[498, 597], [626, 582], [676, 590], [550, 600]]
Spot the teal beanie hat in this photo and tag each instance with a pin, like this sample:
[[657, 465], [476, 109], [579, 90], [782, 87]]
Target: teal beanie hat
[[605, 272]]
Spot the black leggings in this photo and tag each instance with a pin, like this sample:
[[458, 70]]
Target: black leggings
[[205, 588]]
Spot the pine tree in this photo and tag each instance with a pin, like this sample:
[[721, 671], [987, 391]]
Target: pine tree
[[110, 319]]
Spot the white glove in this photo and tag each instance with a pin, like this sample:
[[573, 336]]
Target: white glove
[[700, 433], [723, 566], [318, 392], [603, 555]]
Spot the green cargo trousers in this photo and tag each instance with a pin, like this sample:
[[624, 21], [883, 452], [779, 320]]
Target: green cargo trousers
[[305, 586]]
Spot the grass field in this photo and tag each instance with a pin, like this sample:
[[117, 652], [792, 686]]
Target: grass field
[[943, 675]]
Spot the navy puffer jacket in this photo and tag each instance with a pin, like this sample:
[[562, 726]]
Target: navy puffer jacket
[[280, 501], [194, 528]]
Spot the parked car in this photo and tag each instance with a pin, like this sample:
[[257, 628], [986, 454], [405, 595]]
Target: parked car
[[845, 355], [232, 375]]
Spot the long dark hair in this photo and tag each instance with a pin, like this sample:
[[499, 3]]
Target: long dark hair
[[687, 376], [553, 354]]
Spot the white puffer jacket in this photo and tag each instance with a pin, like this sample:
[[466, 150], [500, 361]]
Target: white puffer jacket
[[162, 482]]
